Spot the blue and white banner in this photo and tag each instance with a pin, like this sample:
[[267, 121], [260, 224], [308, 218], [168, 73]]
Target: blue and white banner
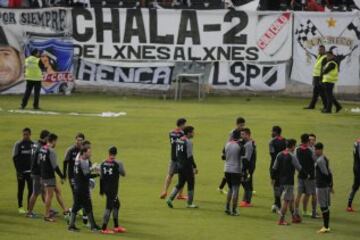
[[21, 30]]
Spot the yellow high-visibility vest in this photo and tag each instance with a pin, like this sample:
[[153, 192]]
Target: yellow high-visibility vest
[[333, 75], [317, 66], [32, 69]]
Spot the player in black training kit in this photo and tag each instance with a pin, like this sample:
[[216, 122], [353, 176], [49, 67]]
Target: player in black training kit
[[70, 157], [324, 185], [35, 173], [356, 170], [174, 135], [283, 171], [82, 197], [69, 162], [186, 166], [48, 167], [22, 161], [249, 165], [234, 150], [306, 179], [306, 198], [110, 172], [240, 124], [277, 144]]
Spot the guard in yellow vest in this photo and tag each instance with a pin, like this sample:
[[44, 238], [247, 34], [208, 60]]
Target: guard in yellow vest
[[330, 76], [33, 77], [318, 89]]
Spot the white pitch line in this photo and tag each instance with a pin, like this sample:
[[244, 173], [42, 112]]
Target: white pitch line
[[33, 112], [103, 114], [355, 110]]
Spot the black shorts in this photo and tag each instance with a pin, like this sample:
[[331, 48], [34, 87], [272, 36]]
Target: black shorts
[[233, 178], [82, 199], [112, 201], [186, 175], [356, 183]]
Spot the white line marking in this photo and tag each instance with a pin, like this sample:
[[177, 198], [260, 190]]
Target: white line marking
[[103, 114]]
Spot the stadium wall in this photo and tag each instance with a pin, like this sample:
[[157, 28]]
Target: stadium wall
[[292, 89], [142, 51]]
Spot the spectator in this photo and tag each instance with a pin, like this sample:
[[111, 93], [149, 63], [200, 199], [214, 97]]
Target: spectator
[[266, 5], [298, 5], [341, 5], [315, 6], [11, 3], [35, 3], [80, 3], [228, 4]]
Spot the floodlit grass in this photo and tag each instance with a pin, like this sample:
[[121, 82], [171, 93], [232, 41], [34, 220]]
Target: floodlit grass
[[142, 139]]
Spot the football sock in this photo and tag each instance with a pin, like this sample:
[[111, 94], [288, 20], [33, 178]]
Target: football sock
[[106, 218], [116, 217]]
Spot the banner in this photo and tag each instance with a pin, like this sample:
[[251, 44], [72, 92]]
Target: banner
[[138, 48], [339, 32], [24, 29], [181, 35], [56, 62], [130, 75], [357, 3], [247, 76]]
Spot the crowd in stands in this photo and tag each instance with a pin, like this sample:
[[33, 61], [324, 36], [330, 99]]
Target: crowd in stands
[[307, 5], [273, 5]]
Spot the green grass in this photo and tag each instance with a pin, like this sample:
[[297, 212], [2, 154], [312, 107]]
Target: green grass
[[142, 139]]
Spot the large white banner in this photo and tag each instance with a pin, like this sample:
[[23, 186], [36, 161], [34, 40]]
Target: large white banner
[[24, 30], [119, 74], [182, 35], [357, 2], [248, 76], [339, 32]]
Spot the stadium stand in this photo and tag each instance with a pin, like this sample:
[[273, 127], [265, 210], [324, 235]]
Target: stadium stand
[[264, 5]]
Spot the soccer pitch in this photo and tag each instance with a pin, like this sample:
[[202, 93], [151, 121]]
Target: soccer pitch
[[142, 139]]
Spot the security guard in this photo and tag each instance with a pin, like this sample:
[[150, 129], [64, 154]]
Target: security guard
[[33, 77], [318, 89], [330, 76]]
